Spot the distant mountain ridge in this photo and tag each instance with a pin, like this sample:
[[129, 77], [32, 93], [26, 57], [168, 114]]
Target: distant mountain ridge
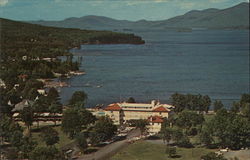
[[236, 17]]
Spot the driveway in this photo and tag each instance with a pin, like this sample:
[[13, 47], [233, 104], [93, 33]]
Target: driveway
[[111, 149]]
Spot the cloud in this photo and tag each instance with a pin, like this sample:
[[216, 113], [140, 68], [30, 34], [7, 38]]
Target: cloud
[[187, 5], [217, 1], [3, 2], [136, 2]]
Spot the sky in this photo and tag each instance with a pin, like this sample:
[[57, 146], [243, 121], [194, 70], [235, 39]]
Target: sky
[[25, 10]]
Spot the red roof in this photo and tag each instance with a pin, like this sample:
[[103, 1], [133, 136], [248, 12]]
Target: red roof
[[156, 119], [160, 109], [113, 107]]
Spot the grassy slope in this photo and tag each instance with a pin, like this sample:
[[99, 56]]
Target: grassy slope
[[64, 140], [143, 150]]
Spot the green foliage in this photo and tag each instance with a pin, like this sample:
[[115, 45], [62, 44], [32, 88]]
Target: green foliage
[[10, 131], [50, 136], [27, 116], [184, 142], [236, 107], [87, 117], [76, 119], [245, 98], [30, 89], [46, 153], [131, 100], [177, 135], [246, 111], [218, 105], [11, 153], [191, 102], [206, 137], [212, 156], [36, 42], [78, 99], [103, 130], [167, 135], [71, 124], [53, 95], [141, 124], [81, 141], [187, 119], [27, 146], [232, 130], [171, 151]]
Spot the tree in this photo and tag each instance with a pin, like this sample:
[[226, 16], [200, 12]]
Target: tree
[[27, 116], [171, 151], [218, 105], [76, 119], [50, 136], [86, 117], [187, 119], [212, 156], [131, 100], [246, 111], [104, 129], [78, 99], [167, 135], [245, 98], [5, 131], [27, 146], [206, 137], [48, 153], [206, 102], [38, 109], [54, 108], [81, 141], [178, 100], [236, 107], [230, 129], [142, 125], [53, 95], [71, 122], [177, 134], [184, 142], [30, 89]]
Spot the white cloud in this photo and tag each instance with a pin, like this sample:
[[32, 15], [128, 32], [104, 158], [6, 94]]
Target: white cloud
[[187, 5], [135, 2], [3, 2], [217, 1]]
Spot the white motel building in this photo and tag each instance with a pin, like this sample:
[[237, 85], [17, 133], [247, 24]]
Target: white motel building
[[122, 112]]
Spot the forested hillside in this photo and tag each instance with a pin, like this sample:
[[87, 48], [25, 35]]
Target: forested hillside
[[24, 47]]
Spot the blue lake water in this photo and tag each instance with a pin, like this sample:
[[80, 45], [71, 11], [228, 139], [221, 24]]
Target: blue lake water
[[214, 63]]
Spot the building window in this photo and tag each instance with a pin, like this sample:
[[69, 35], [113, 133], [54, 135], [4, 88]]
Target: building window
[[160, 113], [111, 111]]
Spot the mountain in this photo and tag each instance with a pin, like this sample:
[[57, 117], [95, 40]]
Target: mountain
[[236, 17]]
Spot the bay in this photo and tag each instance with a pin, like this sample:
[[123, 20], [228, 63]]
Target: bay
[[207, 62]]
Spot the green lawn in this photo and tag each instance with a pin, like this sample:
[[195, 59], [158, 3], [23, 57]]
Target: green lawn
[[63, 139], [208, 117], [143, 150]]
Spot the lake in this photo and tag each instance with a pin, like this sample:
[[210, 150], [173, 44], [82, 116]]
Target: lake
[[214, 63]]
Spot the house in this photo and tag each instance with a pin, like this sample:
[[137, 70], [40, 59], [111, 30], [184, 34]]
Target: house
[[155, 123], [120, 113], [2, 84], [49, 59], [41, 91], [20, 106], [23, 77]]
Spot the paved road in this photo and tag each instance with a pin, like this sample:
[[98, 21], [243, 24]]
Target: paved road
[[111, 149], [240, 154]]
